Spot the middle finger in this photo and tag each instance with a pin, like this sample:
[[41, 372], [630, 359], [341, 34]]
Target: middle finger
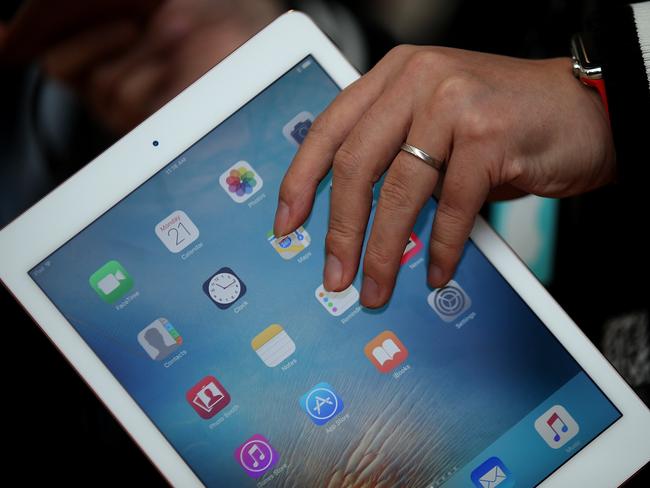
[[358, 164], [408, 185]]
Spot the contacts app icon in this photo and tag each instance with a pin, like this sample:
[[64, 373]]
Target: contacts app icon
[[159, 339]]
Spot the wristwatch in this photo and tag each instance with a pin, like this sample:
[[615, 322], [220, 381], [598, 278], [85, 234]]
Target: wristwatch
[[586, 67]]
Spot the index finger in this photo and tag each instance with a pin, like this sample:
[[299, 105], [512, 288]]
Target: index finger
[[315, 156]]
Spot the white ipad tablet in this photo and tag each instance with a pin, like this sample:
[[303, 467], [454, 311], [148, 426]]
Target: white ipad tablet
[[214, 344]]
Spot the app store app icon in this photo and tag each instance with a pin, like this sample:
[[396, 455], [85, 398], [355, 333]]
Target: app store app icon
[[321, 403]]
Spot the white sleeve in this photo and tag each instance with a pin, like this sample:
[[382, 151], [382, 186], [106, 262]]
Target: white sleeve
[[642, 20]]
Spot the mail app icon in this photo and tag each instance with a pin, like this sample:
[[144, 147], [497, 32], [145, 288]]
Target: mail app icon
[[493, 473]]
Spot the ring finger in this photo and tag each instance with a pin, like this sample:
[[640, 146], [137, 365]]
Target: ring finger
[[408, 184]]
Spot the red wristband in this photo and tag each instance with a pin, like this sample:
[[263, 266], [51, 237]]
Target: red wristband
[[600, 86]]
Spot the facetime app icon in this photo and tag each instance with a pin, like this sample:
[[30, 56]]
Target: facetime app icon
[[111, 281]]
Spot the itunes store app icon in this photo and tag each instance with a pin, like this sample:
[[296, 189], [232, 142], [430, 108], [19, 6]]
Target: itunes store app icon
[[256, 456]]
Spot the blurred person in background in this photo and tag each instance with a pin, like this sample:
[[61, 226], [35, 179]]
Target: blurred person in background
[[78, 95]]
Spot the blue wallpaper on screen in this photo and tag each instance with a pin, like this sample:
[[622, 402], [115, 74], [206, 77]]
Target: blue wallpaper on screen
[[463, 388]]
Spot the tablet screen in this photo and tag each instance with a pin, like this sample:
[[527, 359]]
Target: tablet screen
[[257, 376]]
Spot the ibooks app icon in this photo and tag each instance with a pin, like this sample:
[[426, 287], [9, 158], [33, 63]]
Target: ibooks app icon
[[386, 351]]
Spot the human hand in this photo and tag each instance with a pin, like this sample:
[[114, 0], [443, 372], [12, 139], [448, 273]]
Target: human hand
[[504, 126], [125, 70]]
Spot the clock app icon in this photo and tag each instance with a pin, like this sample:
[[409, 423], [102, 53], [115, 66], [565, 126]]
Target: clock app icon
[[224, 288]]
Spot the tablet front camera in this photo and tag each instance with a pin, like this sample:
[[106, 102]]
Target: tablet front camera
[[155, 143]]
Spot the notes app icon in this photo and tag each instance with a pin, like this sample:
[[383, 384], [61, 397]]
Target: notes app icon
[[386, 351], [556, 426], [273, 345], [256, 456]]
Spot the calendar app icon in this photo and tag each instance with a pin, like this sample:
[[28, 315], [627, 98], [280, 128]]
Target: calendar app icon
[[177, 231]]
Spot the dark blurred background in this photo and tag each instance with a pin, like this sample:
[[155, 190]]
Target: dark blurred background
[[53, 120]]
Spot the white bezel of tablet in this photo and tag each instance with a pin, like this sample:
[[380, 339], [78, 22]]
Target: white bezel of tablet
[[607, 461]]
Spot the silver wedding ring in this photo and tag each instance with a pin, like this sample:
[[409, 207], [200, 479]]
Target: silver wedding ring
[[423, 156]]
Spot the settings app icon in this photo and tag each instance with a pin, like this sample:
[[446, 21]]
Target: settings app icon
[[450, 301]]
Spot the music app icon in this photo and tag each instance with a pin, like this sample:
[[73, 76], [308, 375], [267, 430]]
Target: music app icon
[[256, 456], [556, 426]]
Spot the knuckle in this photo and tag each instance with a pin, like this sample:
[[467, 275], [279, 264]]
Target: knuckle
[[400, 50], [423, 61], [456, 85], [377, 261], [320, 130], [290, 189], [342, 233], [396, 195], [451, 222], [347, 163], [478, 125]]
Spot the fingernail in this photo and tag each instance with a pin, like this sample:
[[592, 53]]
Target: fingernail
[[437, 276], [369, 291], [333, 272], [281, 218]]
